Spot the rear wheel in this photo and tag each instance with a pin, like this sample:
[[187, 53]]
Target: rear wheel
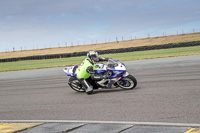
[[128, 82], [75, 84]]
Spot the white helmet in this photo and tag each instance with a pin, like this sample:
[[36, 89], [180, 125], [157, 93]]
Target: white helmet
[[92, 56]]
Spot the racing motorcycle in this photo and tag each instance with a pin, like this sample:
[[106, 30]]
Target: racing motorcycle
[[115, 70]]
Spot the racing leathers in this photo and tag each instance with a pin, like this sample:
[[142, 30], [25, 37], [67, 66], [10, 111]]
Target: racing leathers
[[86, 70]]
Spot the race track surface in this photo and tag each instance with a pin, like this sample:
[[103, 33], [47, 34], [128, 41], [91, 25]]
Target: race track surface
[[168, 90]]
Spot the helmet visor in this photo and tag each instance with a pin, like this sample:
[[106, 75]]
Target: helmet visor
[[94, 57]]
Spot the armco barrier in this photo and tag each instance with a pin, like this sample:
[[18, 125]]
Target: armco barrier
[[109, 51]]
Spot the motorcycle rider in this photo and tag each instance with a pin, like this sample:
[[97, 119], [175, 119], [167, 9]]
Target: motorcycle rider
[[86, 70]]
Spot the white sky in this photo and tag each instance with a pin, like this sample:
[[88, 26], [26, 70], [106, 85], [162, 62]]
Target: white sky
[[29, 24]]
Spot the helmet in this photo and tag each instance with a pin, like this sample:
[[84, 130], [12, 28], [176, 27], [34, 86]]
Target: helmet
[[92, 56]]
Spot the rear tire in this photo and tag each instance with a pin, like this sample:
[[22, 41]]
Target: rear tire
[[130, 80], [75, 84]]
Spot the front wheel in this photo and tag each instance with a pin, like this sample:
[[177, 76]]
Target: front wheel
[[75, 84], [128, 82]]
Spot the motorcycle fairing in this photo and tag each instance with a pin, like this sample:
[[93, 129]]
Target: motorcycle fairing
[[69, 70], [112, 81], [117, 73]]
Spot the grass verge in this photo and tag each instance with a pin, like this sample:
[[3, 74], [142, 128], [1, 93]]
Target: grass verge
[[36, 64]]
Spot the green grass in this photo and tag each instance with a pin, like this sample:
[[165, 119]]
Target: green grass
[[36, 64], [163, 53]]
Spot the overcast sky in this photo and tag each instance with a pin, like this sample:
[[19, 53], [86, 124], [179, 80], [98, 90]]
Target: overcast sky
[[48, 23]]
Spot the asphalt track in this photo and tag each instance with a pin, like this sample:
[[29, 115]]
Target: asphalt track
[[168, 91]]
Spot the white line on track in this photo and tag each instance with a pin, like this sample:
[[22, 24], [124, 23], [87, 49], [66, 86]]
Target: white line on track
[[104, 122]]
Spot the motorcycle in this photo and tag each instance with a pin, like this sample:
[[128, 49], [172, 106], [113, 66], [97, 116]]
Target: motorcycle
[[115, 70]]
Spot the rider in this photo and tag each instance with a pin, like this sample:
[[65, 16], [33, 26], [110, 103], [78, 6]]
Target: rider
[[86, 70]]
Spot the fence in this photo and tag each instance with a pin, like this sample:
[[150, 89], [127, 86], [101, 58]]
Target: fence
[[136, 35], [121, 50]]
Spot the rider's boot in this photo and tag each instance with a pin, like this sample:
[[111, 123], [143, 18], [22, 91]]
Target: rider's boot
[[88, 87]]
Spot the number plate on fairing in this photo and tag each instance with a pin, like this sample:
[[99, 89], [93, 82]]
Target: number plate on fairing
[[100, 68]]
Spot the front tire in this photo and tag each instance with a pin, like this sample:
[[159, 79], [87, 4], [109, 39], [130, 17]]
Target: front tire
[[130, 80], [75, 84]]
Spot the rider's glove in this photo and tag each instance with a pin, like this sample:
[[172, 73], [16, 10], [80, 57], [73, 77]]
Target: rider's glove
[[110, 59]]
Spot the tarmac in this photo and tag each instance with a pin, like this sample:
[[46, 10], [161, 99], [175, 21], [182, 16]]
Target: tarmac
[[59, 126]]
